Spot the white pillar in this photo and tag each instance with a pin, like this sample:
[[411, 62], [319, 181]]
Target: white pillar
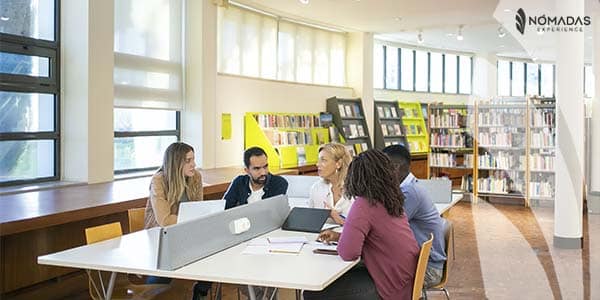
[[359, 63], [568, 211], [485, 75], [594, 164], [87, 90]]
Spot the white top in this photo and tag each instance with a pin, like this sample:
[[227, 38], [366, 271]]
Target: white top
[[255, 195], [320, 193], [137, 253]]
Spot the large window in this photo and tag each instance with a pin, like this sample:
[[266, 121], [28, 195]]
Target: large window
[[421, 71], [256, 44], [29, 92], [516, 78], [589, 82], [148, 81]]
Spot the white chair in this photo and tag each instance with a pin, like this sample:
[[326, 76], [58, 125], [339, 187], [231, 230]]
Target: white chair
[[298, 191]]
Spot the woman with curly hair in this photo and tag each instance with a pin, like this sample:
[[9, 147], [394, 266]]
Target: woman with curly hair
[[375, 230]]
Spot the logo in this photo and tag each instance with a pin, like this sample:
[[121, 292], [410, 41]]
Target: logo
[[520, 18], [545, 23]]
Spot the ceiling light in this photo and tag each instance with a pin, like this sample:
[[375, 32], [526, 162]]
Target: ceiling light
[[459, 36], [534, 58], [420, 39], [304, 1], [501, 32], [501, 46], [449, 34], [398, 18], [4, 18], [507, 10]]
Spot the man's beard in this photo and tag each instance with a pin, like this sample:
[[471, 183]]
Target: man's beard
[[260, 180]]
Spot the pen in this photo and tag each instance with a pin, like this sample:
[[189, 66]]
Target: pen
[[282, 251]]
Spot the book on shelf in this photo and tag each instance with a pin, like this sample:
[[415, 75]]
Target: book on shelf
[[387, 112], [342, 110], [365, 146], [301, 153], [393, 111], [350, 150], [334, 134], [397, 129], [356, 110], [384, 130], [325, 119], [380, 112], [349, 111], [346, 130], [361, 131], [353, 131], [358, 148]]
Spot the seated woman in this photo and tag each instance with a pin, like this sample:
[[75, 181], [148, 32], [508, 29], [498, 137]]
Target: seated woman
[[176, 181], [328, 192], [376, 230]]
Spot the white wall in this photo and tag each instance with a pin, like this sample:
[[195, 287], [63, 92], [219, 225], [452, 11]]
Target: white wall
[[237, 95]]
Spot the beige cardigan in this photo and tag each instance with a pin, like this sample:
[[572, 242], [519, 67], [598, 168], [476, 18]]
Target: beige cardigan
[[158, 210]]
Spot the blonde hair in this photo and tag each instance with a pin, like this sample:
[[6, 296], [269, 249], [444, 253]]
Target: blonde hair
[[176, 183], [339, 154]]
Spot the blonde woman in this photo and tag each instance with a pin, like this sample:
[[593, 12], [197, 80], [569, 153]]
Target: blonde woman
[[329, 191]]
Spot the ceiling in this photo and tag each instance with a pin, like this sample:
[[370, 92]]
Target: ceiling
[[401, 20]]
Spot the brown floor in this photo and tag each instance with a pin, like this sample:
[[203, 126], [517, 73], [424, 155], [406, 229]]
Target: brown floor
[[502, 252]]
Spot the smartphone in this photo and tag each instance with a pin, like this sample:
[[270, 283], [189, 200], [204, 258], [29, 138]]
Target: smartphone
[[325, 251]]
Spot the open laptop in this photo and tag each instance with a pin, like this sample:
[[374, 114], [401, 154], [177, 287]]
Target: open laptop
[[306, 219], [191, 210]]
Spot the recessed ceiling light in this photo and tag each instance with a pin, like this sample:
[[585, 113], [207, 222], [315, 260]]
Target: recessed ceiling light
[[4, 18], [459, 36], [420, 39], [507, 10], [501, 32], [304, 1], [398, 18]]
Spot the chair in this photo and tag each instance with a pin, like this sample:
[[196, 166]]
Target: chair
[[136, 218], [449, 237], [97, 287], [298, 191], [421, 268]]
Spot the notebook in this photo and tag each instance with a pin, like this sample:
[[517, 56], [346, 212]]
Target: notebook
[[306, 219], [191, 210]]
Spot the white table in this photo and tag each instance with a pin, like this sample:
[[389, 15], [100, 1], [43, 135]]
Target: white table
[[444, 207], [137, 253]]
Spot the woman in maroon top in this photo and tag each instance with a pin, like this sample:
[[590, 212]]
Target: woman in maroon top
[[375, 230]]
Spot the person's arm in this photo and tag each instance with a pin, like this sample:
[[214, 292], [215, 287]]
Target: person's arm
[[279, 186], [231, 196], [160, 205], [356, 229]]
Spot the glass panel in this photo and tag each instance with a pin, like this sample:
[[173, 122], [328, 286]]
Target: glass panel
[[533, 82], [321, 57], [20, 64], [142, 78], [406, 72], [228, 36], [450, 73], [140, 152], [391, 68], [28, 18], [422, 70], [304, 59], [250, 45], [286, 51], [547, 80], [518, 79], [589, 88], [465, 75], [26, 160], [268, 67], [338, 60], [24, 112], [378, 67], [133, 119], [436, 83], [503, 78]]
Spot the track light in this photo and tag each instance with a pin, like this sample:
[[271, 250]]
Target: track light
[[501, 32], [420, 39], [459, 36]]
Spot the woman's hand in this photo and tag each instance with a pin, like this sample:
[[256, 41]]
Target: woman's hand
[[329, 236], [337, 218]]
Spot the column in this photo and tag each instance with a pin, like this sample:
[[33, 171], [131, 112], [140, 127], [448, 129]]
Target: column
[[359, 62], [594, 163]]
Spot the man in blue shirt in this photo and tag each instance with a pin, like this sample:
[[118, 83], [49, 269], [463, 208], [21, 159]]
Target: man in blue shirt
[[422, 215], [257, 184]]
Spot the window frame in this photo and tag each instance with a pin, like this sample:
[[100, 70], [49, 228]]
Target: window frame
[[36, 84], [146, 133], [525, 65]]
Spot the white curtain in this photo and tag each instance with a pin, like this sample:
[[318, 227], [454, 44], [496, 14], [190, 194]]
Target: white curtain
[[148, 46]]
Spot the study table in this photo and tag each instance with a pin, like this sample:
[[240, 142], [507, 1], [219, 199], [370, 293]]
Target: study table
[[137, 253], [443, 208]]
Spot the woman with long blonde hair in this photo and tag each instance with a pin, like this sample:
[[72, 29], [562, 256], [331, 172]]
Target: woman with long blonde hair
[[329, 191]]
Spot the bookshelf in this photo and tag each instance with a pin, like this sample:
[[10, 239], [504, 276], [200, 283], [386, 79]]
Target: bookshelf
[[501, 149], [389, 129], [290, 140], [414, 127], [542, 144], [451, 153], [349, 119]]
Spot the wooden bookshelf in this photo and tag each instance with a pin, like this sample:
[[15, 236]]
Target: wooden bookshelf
[[349, 119]]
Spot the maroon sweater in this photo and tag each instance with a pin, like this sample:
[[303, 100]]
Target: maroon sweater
[[387, 247]]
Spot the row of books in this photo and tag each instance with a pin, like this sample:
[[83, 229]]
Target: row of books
[[446, 119], [417, 146], [449, 160], [409, 113], [414, 129], [496, 185], [543, 139], [494, 118], [350, 110], [287, 121], [353, 130], [391, 129], [501, 160], [497, 139], [543, 118], [457, 139], [539, 162], [542, 189], [281, 138], [357, 148], [466, 183], [387, 112]]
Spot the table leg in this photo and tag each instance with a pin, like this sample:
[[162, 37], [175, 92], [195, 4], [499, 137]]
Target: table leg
[[111, 285], [298, 294], [251, 293]]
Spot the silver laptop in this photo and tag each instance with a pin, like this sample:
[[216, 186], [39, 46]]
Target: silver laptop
[[191, 210]]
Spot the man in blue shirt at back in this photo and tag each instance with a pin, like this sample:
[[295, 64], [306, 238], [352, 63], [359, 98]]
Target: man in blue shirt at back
[[422, 215]]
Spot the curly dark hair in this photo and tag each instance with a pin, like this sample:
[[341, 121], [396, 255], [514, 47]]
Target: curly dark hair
[[371, 175]]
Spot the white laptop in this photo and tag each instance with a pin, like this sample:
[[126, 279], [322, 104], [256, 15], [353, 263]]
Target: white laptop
[[191, 210]]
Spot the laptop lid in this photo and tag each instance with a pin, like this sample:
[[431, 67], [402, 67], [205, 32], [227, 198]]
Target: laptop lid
[[306, 219], [191, 210]]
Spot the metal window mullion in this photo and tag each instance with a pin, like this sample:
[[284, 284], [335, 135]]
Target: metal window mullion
[[429, 72], [540, 80], [443, 73], [384, 67], [399, 65], [510, 78], [22, 136], [414, 63], [458, 74]]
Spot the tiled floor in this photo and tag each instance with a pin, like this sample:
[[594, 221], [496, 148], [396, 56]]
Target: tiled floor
[[503, 252]]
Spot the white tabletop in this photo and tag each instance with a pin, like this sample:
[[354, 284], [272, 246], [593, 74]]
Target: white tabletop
[[443, 207], [137, 253]]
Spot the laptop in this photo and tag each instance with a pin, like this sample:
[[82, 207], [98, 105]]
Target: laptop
[[191, 210], [306, 219]]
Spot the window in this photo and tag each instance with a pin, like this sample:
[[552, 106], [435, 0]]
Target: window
[[547, 80], [533, 79], [421, 71], [148, 80], [391, 68], [518, 79], [464, 82], [450, 73], [589, 82], [436, 73], [407, 70], [503, 78], [29, 92], [256, 44]]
